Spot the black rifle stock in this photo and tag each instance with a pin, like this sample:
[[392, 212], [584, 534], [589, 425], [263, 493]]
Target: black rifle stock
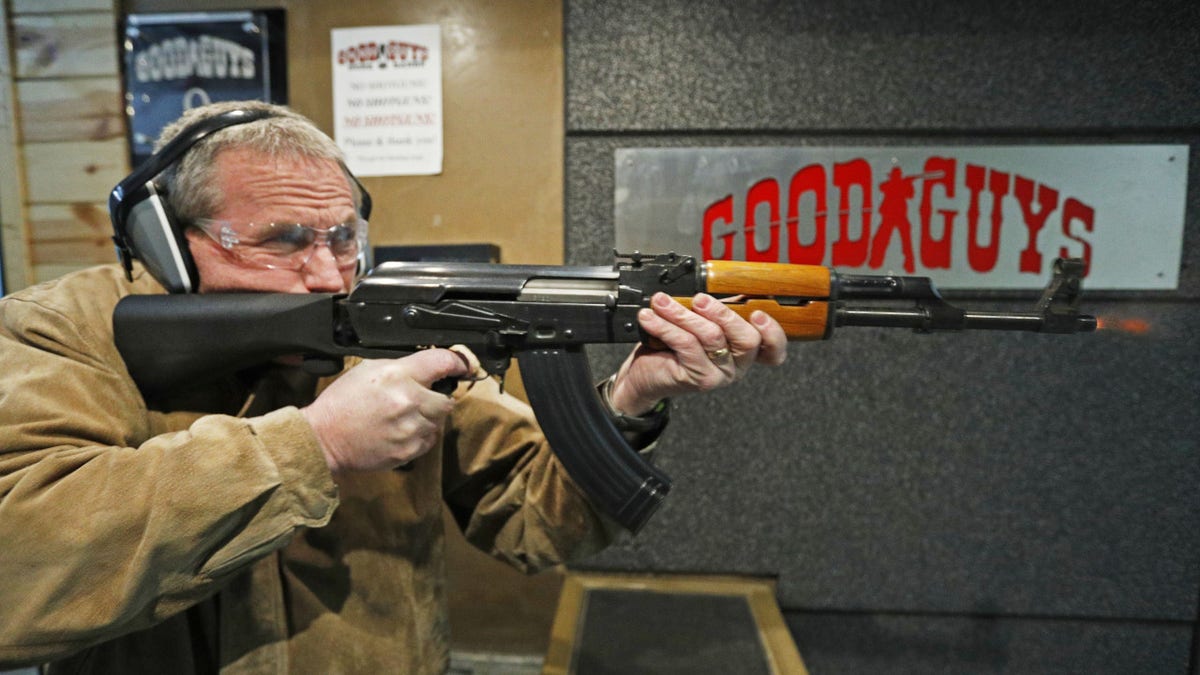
[[543, 315]]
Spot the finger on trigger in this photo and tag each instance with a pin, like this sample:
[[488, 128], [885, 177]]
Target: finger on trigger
[[432, 365]]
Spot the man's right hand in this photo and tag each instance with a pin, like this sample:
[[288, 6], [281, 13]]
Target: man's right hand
[[382, 413]]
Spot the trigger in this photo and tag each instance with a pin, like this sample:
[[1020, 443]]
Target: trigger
[[446, 385], [323, 366]]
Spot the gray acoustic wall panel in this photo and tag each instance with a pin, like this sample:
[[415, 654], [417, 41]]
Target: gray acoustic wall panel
[[832, 644], [969, 472], [649, 65], [945, 503]]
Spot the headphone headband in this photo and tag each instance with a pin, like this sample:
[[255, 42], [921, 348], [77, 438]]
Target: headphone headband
[[143, 226], [119, 201]]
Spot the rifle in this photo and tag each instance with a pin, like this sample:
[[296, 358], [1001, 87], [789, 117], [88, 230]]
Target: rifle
[[543, 315]]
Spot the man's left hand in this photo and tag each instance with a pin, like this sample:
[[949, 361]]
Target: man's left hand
[[707, 347]]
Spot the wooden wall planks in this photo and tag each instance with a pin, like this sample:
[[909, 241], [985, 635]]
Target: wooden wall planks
[[77, 108], [64, 45], [59, 6], [67, 142]]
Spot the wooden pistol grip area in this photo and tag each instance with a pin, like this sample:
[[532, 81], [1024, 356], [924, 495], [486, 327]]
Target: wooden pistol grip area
[[801, 322], [738, 277]]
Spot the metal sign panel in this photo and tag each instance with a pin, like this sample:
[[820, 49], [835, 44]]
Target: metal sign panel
[[974, 217], [180, 60]]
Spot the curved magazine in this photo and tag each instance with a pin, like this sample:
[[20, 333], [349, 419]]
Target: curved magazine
[[616, 479]]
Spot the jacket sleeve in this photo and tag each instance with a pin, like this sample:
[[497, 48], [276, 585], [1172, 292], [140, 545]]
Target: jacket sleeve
[[113, 517], [508, 492]]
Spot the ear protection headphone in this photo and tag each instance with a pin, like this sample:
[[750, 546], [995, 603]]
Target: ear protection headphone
[[143, 225]]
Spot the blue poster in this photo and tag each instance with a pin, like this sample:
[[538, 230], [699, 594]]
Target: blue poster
[[178, 61]]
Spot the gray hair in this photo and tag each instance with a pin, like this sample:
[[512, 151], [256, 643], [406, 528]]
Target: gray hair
[[192, 190]]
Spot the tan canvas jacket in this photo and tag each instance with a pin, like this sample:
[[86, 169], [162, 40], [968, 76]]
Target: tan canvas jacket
[[205, 533]]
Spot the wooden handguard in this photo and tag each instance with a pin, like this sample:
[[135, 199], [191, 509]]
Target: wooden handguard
[[760, 279], [807, 287]]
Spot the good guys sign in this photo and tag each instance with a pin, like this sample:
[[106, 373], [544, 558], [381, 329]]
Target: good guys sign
[[970, 216]]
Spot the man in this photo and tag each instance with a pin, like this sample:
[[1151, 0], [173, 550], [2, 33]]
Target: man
[[257, 524]]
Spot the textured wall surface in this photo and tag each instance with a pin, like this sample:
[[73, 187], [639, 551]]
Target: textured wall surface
[[947, 503]]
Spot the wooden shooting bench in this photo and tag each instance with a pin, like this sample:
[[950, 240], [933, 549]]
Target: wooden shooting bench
[[607, 623]]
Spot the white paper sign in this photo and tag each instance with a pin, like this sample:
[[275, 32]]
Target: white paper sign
[[387, 99], [967, 216]]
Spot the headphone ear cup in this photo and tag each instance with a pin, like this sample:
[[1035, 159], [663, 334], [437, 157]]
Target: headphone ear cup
[[366, 258], [365, 261], [142, 226], [160, 244]]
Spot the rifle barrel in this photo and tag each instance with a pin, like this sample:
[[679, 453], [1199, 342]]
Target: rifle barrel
[[919, 319]]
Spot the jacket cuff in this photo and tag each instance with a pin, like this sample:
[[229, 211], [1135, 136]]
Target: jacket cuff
[[292, 445], [640, 431]]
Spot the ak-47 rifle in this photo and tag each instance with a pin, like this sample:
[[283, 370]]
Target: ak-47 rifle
[[543, 315]]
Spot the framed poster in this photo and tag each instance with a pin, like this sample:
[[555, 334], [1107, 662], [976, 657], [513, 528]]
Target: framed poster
[[177, 61], [387, 99]]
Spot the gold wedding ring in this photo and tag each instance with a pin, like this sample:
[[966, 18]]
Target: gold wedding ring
[[719, 355]]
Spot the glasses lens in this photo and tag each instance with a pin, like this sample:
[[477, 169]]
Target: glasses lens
[[276, 244], [291, 245], [343, 242]]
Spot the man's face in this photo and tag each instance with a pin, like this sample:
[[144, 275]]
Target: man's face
[[261, 190]]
